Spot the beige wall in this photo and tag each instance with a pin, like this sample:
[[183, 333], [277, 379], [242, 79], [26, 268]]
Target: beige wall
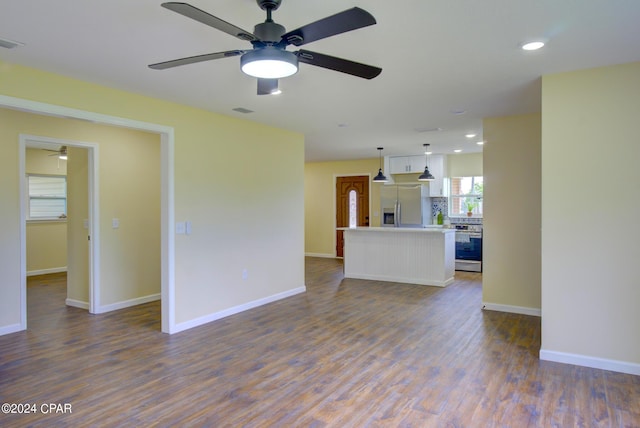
[[319, 201], [46, 247], [246, 213], [46, 240], [464, 165], [590, 205], [511, 225]]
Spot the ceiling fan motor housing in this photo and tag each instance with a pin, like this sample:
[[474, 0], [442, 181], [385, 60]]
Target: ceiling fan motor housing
[[269, 4], [269, 31]]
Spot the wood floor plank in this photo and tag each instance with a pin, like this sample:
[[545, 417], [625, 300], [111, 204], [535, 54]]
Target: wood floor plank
[[347, 353]]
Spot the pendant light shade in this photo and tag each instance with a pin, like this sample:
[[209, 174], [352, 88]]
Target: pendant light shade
[[380, 178], [426, 175]]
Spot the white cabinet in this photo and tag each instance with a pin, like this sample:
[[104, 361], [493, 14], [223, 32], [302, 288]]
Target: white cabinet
[[438, 170], [406, 164]]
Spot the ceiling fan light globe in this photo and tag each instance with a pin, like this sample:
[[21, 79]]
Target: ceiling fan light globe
[[269, 63]]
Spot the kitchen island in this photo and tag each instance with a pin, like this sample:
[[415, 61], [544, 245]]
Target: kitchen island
[[410, 255]]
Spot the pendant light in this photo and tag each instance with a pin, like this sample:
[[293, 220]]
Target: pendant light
[[380, 178], [426, 175]]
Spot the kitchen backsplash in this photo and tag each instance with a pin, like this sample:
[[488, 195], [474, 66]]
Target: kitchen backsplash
[[440, 205]]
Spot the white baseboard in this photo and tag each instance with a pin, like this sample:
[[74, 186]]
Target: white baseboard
[[587, 361], [77, 303], [236, 309], [11, 328], [323, 255], [128, 303], [46, 271], [511, 309]]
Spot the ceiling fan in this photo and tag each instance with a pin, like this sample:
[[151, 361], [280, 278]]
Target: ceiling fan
[[62, 153], [269, 60]]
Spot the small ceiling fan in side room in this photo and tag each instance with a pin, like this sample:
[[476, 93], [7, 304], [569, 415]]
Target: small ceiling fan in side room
[[269, 60], [61, 153]]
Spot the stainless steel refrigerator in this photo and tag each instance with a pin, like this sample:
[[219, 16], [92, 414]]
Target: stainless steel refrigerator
[[405, 205]]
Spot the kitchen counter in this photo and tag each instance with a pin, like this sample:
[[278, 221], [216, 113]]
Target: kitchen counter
[[423, 256], [438, 229]]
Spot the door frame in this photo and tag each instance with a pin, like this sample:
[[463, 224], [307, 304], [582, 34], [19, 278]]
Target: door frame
[[167, 199], [335, 208], [93, 214]]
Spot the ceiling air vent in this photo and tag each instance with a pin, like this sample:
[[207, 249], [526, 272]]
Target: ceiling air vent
[[428, 129], [9, 44], [242, 110]]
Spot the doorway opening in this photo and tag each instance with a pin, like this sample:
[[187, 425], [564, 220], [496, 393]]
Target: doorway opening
[[167, 239], [82, 273]]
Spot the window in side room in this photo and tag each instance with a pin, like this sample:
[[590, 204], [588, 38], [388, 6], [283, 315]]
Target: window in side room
[[47, 197]]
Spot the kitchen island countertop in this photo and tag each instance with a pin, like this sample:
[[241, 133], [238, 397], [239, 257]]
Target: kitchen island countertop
[[398, 229]]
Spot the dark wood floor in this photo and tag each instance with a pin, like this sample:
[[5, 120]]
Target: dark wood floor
[[348, 353]]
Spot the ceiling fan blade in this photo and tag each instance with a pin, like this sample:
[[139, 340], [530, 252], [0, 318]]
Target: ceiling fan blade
[[350, 19], [208, 19], [338, 64], [194, 59], [267, 86]]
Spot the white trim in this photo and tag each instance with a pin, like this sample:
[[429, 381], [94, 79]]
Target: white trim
[[167, 236], [22, 227], [11, 328], [77, 303], [237, 309], [323, 255], [523, 310], [167, 142], [587, 361], [128, 303], [46, 271]]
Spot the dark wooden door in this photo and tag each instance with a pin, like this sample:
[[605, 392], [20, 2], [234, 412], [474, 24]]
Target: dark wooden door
[[344, 186]]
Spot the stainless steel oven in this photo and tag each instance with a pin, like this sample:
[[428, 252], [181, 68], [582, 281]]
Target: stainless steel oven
[[469, 250]]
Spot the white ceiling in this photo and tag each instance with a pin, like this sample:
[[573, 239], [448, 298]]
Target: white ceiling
[[438, 57]]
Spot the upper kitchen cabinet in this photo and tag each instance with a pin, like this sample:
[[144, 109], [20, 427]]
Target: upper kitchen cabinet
[[437, 168], [406, 164]]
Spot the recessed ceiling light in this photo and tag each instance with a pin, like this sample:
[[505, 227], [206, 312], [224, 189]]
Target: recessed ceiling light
[[470, 135], [532, 46], [276, 92], [457, 150], [480, 143]]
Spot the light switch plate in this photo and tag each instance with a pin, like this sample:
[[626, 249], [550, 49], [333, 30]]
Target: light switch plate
[[180, 228], [115, 223]]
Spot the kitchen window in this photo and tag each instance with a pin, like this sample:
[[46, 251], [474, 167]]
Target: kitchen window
[[47, 197], [466, 195]]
